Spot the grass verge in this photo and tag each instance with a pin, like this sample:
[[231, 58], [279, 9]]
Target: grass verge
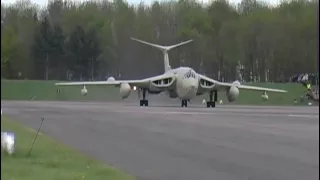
[[46, 90], [49, 160]]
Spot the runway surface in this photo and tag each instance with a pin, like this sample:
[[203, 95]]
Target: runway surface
[[167, 142]]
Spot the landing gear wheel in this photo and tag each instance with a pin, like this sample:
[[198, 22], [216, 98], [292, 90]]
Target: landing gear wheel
[[184, 103], [212, 102], [144, 102]]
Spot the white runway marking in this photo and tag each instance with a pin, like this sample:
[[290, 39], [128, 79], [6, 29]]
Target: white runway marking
[[168, 112], [219, 113], [304, 116]]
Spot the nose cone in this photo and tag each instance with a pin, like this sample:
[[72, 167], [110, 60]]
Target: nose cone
[[189, 88], [193, 86], [194, 83]]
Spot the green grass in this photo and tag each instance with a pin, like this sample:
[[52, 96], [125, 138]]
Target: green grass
[[45, 90], [49, 160]]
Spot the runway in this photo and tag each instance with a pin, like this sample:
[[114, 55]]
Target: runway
[[167, 142]]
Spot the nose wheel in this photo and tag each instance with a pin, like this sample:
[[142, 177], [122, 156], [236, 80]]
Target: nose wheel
[[184, 103], [212, 102]]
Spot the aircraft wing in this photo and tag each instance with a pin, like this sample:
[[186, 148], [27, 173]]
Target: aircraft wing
[[207, 84], [159, 82], [108, 82]]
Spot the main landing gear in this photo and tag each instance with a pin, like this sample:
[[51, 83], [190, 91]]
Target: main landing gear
[[212, 102], [144, 102]]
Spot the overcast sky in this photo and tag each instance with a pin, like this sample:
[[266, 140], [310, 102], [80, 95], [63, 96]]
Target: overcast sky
[[44, 2]]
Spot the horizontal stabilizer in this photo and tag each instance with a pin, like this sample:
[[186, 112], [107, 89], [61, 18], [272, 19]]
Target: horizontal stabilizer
[[160, 47]]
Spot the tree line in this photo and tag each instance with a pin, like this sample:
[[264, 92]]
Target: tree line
[[66, 40]]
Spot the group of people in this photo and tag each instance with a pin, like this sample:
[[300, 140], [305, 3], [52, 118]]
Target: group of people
[[307, 80]]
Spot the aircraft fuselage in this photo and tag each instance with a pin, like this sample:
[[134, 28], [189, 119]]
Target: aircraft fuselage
[[187, 83]]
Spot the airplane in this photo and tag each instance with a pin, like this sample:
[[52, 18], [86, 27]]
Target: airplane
[[182, 82]]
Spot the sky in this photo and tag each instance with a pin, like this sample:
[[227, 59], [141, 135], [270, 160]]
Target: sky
[[44, 2]]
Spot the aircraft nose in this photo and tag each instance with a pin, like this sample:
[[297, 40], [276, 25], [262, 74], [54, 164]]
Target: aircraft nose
[[194, 84], [193, 87]]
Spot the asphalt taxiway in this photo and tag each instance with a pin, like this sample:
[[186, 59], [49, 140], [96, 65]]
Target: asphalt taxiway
[[167, 142]]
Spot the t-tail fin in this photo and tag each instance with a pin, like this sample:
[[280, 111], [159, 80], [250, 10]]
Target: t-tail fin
[[164, 49]]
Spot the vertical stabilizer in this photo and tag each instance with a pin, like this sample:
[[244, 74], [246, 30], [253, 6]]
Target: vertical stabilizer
[[164, 49]]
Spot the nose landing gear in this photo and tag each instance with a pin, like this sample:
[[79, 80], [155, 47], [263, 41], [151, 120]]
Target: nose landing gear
[[184, 103]]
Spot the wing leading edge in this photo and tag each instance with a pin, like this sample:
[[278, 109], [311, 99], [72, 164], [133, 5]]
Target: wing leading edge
[[220, 85], [141, 83], [253, 88], [110, 82]]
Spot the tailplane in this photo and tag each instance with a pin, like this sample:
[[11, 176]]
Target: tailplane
[[165, 50]]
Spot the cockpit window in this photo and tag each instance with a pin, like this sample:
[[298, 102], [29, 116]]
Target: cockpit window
[[190, 74]]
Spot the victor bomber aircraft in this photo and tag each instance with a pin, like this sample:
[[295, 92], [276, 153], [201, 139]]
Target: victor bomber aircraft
[[182, 82]]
